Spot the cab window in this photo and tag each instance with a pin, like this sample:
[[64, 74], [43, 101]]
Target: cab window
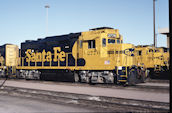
[[104, 42], [165, 50], [139, 53], [118, 41], [91, 44], [150, 50], [111, 41], [156, 50]]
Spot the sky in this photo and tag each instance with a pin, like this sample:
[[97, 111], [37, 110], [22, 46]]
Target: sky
[[22, 20]]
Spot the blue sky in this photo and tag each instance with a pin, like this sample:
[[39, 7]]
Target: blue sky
[[22, 20]]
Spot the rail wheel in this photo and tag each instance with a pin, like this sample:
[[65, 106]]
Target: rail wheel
[[143, 77], [17, 74], [132, 78], [76, 77]]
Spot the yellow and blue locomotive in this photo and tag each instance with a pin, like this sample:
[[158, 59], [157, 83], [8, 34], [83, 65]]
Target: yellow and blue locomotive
[[155, 59], [95, 56], [9, 54]]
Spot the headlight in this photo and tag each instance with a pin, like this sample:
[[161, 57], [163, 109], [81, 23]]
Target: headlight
[[106, 72], [119, 67]]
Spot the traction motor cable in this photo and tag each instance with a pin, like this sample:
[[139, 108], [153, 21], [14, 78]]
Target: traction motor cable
[[6, 77], [3, 82]]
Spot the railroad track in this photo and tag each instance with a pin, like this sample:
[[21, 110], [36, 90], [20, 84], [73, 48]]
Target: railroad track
[[138, 87], [158, 81], [107, 103]]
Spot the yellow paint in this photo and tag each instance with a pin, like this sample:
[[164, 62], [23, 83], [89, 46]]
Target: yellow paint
[[45, 56], [122, 80], [58, 54], [11, 55], [2, 61]]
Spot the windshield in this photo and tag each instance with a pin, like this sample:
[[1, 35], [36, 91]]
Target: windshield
[[111, 41]]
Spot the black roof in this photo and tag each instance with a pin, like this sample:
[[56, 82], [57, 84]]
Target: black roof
[[143, 45], [5, 44], [100, 28], [163, 47], [55, 38]]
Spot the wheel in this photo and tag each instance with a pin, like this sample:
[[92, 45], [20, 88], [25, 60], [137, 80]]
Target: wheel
[[76, 77], [132, 78], [115, 80], [90, 81], [87, 80], [17, 74], [104, 80], [143, 77]]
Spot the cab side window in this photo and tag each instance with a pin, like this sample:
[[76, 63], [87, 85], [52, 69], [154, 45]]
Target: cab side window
[[104, 42], [165, 50], [139, 53], [118, 41], [150, 50], [91, 44], [111, 41], [80, 44]]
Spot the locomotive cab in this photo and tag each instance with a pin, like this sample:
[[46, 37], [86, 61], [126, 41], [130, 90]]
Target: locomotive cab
[[104, 52]]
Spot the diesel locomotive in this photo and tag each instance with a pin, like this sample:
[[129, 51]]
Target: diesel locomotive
[[156, 60], [95, 56], [9, 54]]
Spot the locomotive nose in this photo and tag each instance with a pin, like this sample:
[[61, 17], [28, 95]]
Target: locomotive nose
[[131, 49]]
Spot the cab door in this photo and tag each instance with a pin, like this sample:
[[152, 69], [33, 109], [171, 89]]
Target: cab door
[[80, 47], [103, 52]]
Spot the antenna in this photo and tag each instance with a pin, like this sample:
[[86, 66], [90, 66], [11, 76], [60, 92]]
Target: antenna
[[47, 6]]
